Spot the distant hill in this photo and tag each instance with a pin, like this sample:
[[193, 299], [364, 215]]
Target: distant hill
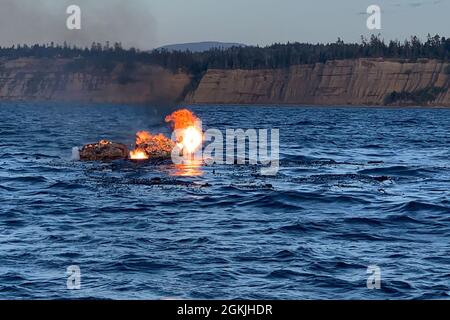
[[201, 46]]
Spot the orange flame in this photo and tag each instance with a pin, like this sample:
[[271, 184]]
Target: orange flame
[[188, 130], [143, 137], [182, 119], [138, 154]]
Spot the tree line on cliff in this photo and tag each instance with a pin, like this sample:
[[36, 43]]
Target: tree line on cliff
[[106, 56]]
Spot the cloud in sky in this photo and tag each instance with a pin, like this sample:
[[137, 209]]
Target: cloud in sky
[[43, 21]]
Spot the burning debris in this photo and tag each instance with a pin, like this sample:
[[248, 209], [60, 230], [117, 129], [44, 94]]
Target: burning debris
[[104, 151], [150, 146], [188, 138]]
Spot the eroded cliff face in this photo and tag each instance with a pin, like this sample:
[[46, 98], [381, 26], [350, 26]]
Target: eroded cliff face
[[344, 82], [53, 79]]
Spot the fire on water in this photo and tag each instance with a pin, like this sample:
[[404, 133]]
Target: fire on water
[[138, 155], [188, 135], [191, 139]]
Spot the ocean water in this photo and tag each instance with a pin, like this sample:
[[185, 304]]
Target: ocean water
[[357, 187]]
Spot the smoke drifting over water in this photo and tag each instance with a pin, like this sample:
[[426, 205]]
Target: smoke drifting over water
[[44, 21]]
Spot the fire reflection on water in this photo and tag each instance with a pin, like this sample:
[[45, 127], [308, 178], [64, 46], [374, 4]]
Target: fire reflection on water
[[190, 168]]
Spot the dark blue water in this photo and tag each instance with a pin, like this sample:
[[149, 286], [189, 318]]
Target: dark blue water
[[357, 187]]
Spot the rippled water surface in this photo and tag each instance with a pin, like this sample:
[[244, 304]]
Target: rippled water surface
[[356, 187]]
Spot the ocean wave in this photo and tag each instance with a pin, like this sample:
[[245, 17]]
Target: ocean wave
[[351, 192], [397, 171]]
